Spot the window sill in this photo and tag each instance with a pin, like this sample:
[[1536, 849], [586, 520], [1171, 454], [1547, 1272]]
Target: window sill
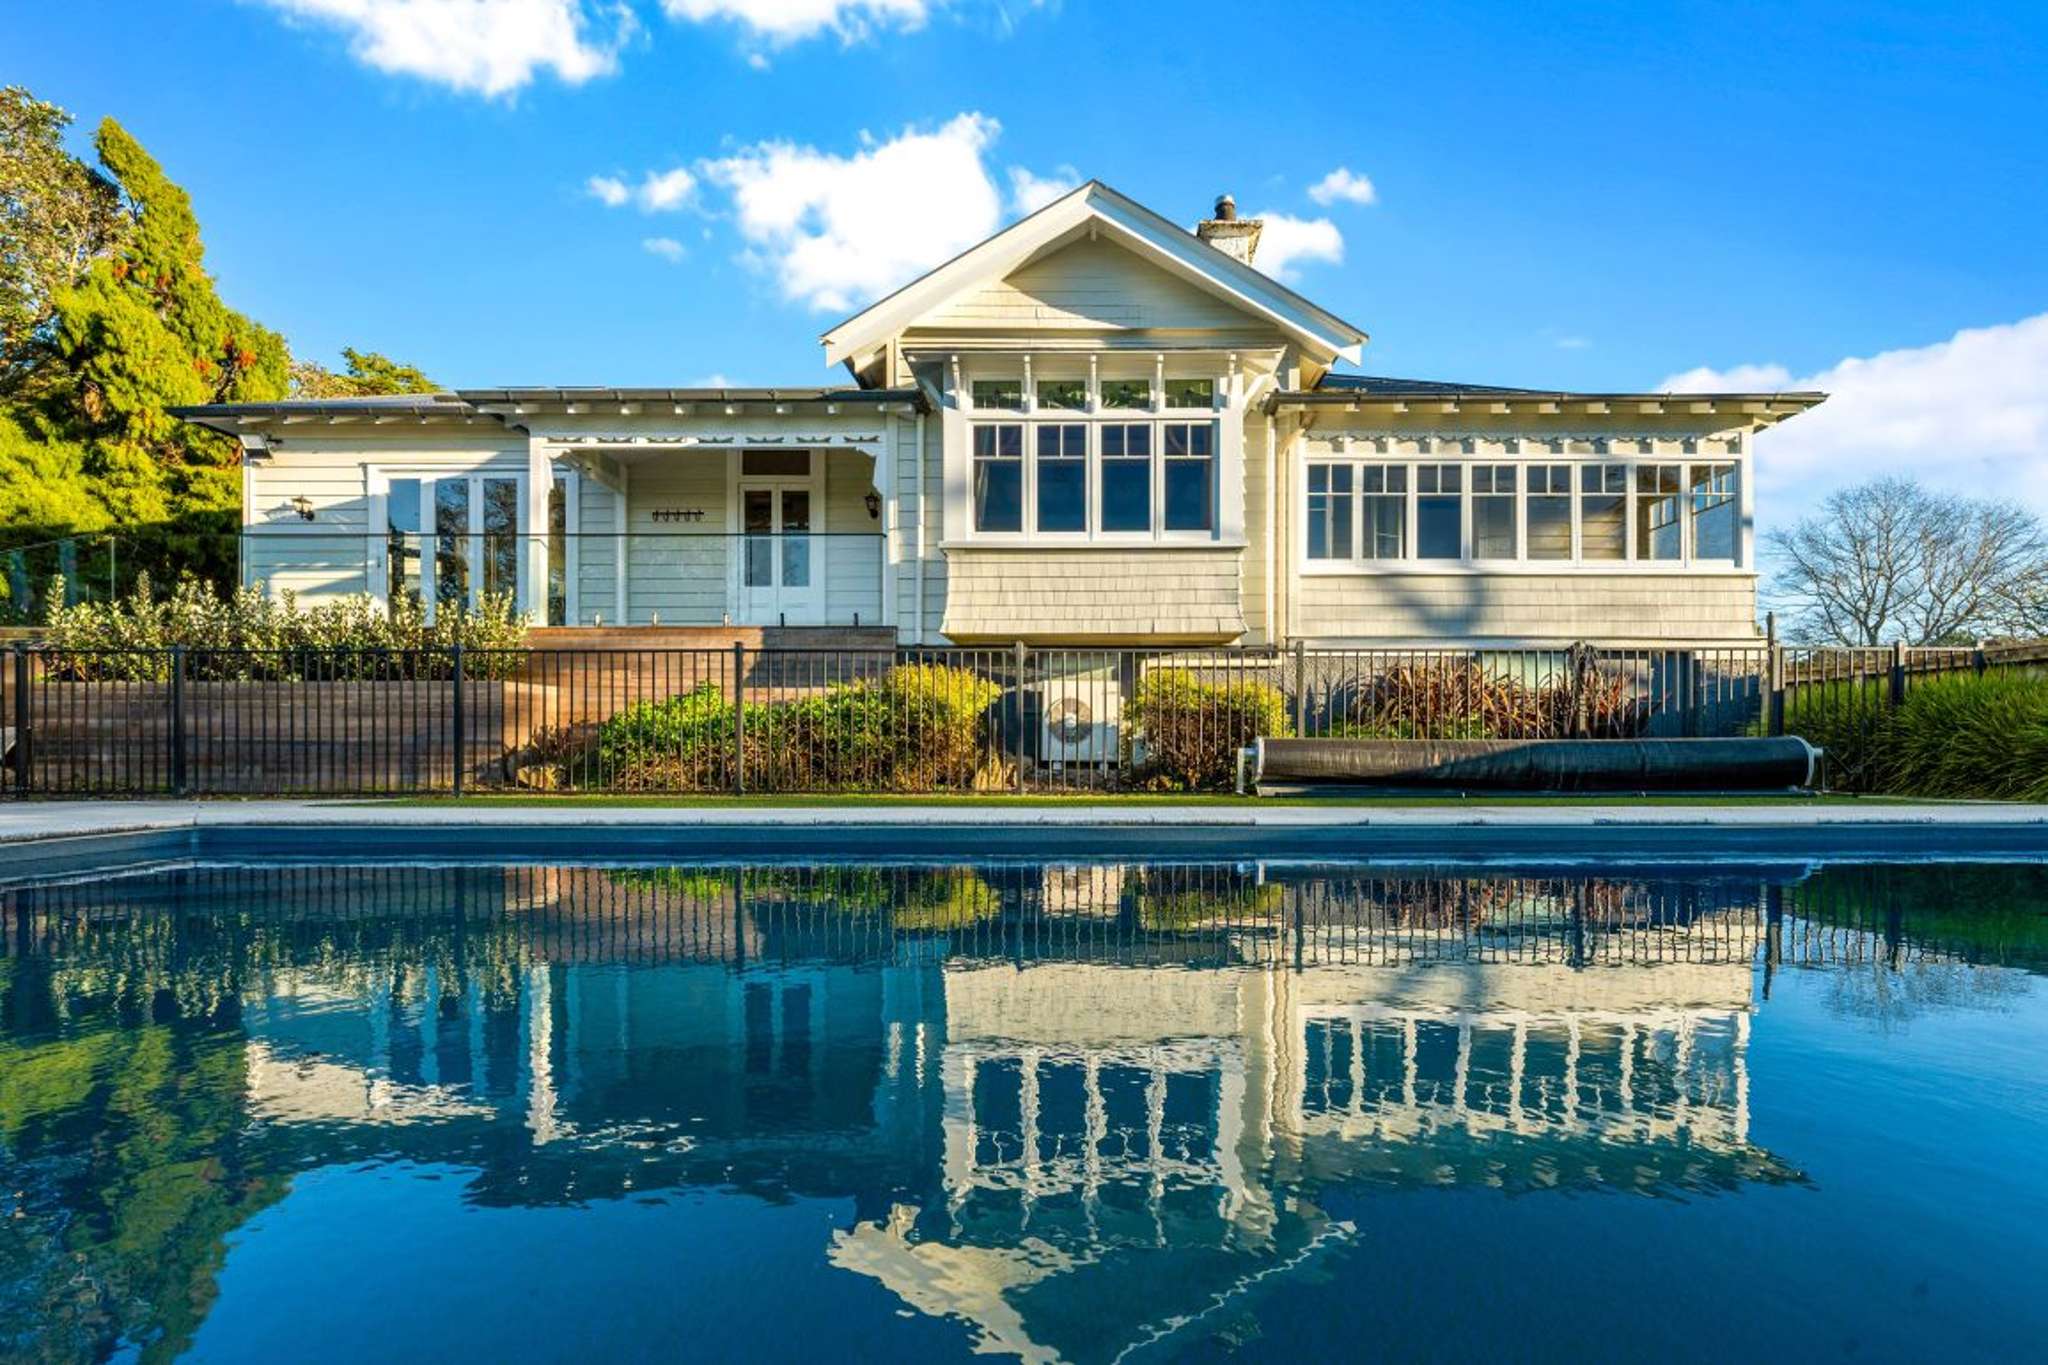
[[1533, 568], [1085, 543]]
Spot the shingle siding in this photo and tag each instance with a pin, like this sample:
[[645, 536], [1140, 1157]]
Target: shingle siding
[[1050, 595], [1414, 607]]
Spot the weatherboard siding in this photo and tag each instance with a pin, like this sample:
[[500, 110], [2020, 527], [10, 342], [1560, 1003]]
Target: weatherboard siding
[[1080, 594], [1522, 606]]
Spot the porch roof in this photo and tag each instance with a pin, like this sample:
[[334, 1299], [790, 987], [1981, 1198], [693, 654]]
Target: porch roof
[[1360, 392], [498, 404]]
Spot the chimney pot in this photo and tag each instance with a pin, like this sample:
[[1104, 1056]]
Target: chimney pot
[[1226, 208]]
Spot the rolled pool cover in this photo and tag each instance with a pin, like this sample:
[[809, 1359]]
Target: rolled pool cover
[[1541, 765]]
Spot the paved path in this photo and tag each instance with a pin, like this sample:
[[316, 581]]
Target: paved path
[[43, 820]]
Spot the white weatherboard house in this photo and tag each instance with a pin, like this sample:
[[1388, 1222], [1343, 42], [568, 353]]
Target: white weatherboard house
[[1095, 427]]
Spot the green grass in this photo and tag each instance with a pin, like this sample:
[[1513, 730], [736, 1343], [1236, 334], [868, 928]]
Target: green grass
[[986, 799]]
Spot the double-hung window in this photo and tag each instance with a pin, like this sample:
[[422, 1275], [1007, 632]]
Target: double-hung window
[[1550, 511], [1439, 496], [999, 477], [1383, 511], [1659, 499], [1493, 511], [1126, 477], [1603, 511], [1190, 476], [1062, 472], [1715, 512], [1329, 511]]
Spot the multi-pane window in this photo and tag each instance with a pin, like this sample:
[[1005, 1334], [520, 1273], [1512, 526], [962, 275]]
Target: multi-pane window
[[1524, 513], [1062, 477], [1329, 511], [1550, 511], [1190, 476], [1126, 477], [1659, 498], [1190, 393], [1603, 511], [999, 394], [1439, 491], [1063, 395], [1493, 511], [451, 541], [1127, 394], [999, 477], [1716, 509], [1383, 511]]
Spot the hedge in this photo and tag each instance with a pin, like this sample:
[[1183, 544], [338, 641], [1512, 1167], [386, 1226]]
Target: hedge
[[1188, 731], [247, 635]]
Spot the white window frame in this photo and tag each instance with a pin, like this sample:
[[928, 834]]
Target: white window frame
[[378, 533], [1688, 562]]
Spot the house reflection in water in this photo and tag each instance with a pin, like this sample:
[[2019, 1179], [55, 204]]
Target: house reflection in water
[[1038, 1086]]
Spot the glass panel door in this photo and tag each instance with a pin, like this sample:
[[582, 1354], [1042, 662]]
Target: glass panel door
[[778, 575]]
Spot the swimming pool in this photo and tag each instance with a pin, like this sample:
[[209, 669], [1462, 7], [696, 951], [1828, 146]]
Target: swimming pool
[[1082, 1110]]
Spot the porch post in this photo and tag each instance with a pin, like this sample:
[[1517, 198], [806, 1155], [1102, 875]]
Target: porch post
[[885, 485], [540, 479]]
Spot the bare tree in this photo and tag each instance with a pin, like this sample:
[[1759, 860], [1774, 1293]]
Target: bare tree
[[1892, 560]]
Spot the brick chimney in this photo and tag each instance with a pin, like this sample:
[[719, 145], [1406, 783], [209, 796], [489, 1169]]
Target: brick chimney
[[1230, 234]]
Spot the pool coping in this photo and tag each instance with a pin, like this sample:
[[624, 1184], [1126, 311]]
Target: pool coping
[[53, 840]]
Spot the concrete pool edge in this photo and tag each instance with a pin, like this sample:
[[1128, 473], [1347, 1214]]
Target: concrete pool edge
[[57, 841]]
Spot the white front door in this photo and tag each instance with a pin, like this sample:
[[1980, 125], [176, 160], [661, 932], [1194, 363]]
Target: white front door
[[779, 570]]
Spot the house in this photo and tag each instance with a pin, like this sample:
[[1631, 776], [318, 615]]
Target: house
[[1095, 427]]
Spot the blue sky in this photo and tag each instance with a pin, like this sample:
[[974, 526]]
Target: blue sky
[[1585, 196]]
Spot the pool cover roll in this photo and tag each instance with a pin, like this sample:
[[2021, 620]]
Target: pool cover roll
[[1537, 764]]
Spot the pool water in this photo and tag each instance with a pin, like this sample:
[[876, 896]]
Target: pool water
[[1087, 1111]]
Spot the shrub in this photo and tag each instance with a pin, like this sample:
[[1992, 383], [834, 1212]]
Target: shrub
[[1967, 736], [1845, 720], [1191, 729], [915, 728], [248, 635]]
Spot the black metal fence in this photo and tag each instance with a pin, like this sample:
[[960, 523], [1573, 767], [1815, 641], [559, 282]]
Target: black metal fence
[[203, 721]]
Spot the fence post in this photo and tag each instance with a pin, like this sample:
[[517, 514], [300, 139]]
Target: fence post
[[21, 719], [1774, 677], [456, 718], [739, 718], [1023, 661], [1979, 660], [177, 720], [1300, 688], [1898, 672]]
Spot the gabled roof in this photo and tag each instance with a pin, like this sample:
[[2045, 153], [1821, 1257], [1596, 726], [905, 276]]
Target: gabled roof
[[1131, 225]]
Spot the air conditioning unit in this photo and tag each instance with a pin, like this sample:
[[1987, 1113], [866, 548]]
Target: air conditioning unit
[[1078, 719]]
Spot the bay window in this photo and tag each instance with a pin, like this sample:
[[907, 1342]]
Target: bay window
[[1062, 470], [1439, 532], [1364, 511], [999, 477], [1126, 477]]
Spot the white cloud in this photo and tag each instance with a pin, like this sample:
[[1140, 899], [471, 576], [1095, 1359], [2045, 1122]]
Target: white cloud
[[1343, 185], [837, 230], [780, 22], [485, 47], [1029, 193], [666, 191], [608, 190], [715, 380], [1571, 343], [1287, 242], [657, 192], [668, 248], [1969, 415]]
